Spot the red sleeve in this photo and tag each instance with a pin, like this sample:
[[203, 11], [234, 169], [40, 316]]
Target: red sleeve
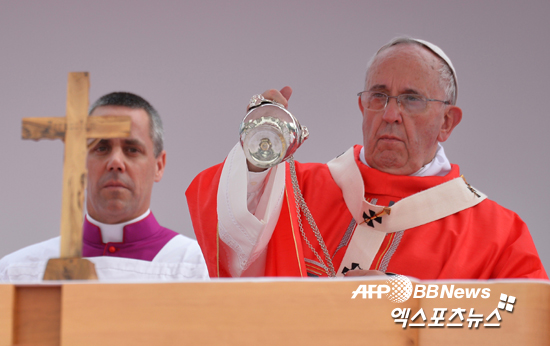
[[519, 259], [285, 254], [202, 202]]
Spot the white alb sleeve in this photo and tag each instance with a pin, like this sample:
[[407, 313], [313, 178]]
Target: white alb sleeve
[[248, 212]]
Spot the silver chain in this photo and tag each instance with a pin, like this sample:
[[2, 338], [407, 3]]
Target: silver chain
[[301, 204]]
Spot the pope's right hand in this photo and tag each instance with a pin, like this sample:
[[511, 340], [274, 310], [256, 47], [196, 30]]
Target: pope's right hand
[[279, 96]]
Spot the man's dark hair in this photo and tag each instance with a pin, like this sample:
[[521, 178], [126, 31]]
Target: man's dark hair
[[126, 99]]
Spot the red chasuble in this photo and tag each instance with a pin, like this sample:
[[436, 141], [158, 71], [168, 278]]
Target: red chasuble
[[486, 241]]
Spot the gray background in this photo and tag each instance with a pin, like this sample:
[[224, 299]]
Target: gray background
[[198, 63]]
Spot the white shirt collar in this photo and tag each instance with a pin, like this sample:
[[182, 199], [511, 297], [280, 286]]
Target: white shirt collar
[[439, 166], [114, 233]]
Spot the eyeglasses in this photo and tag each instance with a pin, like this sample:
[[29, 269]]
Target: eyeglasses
[[410, 103]]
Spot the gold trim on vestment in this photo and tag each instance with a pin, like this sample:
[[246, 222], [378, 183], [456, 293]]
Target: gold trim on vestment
[[218, 249], [293, 235], [390, 241]]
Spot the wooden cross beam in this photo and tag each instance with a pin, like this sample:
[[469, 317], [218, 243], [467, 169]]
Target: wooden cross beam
[[74, 129]]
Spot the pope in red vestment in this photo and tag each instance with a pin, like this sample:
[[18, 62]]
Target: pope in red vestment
[[450, 229]]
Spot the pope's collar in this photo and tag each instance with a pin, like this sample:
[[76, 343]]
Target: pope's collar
[[439, 166], [114, 233]]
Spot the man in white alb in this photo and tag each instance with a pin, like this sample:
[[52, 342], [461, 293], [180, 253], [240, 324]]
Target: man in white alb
[[120, 234]]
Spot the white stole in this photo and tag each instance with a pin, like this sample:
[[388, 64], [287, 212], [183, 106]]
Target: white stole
[[416, 210]]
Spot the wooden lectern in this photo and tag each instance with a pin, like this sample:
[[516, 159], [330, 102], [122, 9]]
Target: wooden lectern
[[278, 312]]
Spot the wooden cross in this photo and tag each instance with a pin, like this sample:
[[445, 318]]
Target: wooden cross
[[74, 130]]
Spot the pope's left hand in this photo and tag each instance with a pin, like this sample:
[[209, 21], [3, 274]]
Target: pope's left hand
[[361, 272]]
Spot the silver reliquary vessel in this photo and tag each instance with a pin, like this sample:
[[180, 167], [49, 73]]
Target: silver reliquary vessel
[[269, 133]]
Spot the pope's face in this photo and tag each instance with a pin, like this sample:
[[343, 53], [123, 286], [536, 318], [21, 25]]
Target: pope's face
[[395, 141], [121, 171]]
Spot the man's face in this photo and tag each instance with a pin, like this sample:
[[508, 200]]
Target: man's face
[[121, 171], [397, 142]]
